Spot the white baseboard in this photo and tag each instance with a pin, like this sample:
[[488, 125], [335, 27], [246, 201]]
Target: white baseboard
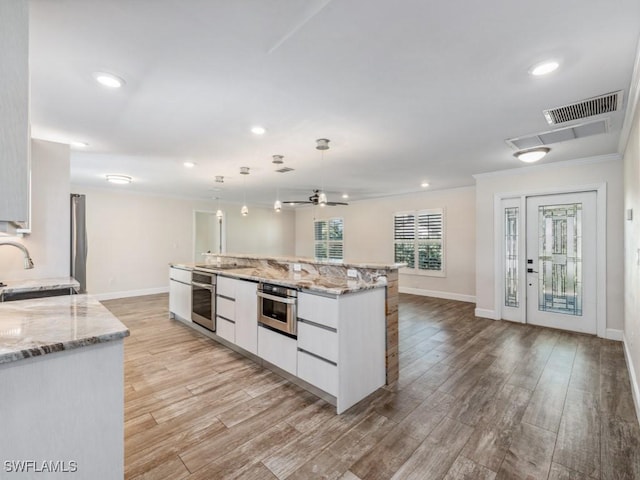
[[130, 293], [635, 387], [614, 334], [484, 313], [434, 293]]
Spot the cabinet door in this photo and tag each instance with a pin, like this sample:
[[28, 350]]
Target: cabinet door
[[226, 286], [14, 105], [226, 329], [247, 316], [318, 309], [319, 373], [318, 341], [277, 349], [180, 299]]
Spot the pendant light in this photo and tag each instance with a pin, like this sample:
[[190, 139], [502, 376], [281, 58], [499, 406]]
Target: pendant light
[[322, 144], [277, 205], [219, 213], [244, 210]]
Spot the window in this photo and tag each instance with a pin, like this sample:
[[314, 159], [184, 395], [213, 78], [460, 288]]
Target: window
[[329, 239], [419, 240]]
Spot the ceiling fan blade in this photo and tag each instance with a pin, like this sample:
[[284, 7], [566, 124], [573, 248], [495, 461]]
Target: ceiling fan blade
[[332, 204], [295, 202]]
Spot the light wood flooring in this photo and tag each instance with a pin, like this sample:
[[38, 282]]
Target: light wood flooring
[[476, 399]]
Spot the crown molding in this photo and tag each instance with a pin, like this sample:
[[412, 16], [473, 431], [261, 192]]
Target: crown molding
[[633, 98]]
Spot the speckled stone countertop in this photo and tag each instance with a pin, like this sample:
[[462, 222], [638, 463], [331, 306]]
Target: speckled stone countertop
[[312, 261], [18, 286], [315, 282], [30, 328]]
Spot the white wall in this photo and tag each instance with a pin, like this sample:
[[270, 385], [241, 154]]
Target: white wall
[[368, 236], [546, 177], [632, 255], [132, 238], [49, 242]]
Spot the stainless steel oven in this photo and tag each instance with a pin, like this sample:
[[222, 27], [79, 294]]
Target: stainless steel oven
[[203, 299], [277, 307]]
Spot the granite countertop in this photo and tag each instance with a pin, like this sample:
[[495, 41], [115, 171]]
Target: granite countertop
[[323, 284], [19, 286], [311, 261], [30, 328]]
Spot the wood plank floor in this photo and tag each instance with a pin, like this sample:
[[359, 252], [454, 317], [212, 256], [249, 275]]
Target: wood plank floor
[[476, 399]]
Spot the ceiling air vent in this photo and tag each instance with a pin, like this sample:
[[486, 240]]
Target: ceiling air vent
[[582, 130], [284, 170], [607, 103]]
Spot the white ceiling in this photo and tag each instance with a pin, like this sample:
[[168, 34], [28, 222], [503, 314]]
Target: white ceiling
[[407, 91]]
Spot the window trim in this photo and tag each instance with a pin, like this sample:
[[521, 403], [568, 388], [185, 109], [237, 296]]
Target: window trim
[[415, 270]]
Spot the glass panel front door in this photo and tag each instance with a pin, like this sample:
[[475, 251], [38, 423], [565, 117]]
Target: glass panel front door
[[560, 258]]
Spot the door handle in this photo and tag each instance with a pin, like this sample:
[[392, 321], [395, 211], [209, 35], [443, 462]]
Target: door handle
[[531, 270]]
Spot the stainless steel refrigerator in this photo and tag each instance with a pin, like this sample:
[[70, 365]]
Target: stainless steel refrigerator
[[79, 247]]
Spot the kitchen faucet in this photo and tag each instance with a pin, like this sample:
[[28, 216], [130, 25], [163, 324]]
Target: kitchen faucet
[[28, 263]]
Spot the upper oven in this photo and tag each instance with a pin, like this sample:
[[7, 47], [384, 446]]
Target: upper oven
[[277, 307], [203, 296]]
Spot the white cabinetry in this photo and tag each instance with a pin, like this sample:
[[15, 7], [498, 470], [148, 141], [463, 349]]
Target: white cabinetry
[[14, 120], [237, 305], [180, 293], [341, 344], [277, 349]]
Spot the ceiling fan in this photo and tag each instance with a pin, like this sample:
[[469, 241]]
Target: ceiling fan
[[318, 198]]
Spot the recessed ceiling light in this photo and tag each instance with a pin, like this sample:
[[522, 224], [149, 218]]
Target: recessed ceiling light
[[120, 179], [532, 155], [345, 195], [258, 130], [189, 164], [424, 184], [108, 80], [544, 68], [79, 144]]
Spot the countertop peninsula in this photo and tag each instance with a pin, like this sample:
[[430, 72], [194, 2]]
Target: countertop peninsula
[[30, 328], [39, 284]]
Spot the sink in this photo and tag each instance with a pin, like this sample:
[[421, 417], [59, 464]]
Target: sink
[[56, 292]]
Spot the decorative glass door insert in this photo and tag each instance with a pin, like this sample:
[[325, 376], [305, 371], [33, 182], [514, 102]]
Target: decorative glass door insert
[[560, 259]]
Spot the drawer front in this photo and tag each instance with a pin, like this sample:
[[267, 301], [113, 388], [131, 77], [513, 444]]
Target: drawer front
[[318, 340], [277, 349], [226, 286], [226, 329], [322, 310], [318, 373], [180, 275], [226, 308]]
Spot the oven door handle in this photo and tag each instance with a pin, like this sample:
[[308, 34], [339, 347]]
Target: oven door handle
[[275, 298], [202, 285]]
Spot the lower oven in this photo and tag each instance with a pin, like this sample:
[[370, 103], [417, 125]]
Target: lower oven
[[277, 308], [203, 299]]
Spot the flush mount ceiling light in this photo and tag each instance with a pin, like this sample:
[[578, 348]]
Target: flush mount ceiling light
[[119, 179], [532, 155], [258, 130], [189, 164], [544, 68], [424, 184], [108, 80], [345, 195]]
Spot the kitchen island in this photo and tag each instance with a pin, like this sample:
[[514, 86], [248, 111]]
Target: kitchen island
[[61, 375], [345, 346]]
